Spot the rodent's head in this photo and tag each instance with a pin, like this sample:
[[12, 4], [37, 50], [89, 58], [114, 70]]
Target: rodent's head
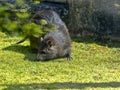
[[47, 50]]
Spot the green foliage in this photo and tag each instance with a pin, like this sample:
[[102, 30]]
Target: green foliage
[[43, 22], [37, 1], [15, 22], [6, 24], [32, 29], [22, 15], [10, 26]]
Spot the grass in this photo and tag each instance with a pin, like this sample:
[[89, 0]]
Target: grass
[[94, 67]]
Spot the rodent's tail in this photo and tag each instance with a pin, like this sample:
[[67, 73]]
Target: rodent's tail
[[22, 40]]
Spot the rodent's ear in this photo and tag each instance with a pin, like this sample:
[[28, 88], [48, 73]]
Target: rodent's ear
[[41, 39]]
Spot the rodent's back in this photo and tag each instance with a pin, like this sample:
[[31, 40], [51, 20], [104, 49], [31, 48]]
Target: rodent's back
[[49, 15]]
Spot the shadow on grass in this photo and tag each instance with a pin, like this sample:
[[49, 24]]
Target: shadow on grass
[[26, 50], [57, 85], [23, 50], [87, 40]]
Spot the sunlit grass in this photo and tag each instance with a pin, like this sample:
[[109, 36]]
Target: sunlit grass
[[93, 67]]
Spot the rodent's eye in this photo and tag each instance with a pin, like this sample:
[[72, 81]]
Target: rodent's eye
[[50, 43]]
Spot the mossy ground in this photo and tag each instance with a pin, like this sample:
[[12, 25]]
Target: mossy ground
[[94, 67]]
